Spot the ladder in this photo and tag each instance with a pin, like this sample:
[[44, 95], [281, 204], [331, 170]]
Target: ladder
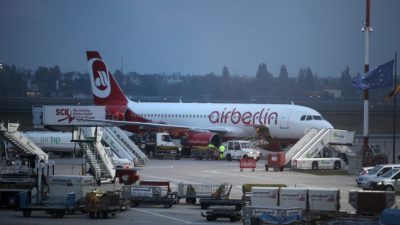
[[299, 146], [100, 161], [125, 141], [11, 133]]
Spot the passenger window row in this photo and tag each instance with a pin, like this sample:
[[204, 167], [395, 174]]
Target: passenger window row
[[171, 115]]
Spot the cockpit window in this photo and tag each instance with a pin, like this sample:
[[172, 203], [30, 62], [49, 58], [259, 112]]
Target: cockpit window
[[317, 117], [311, 117]]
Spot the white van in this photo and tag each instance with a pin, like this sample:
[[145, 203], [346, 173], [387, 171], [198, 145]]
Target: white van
[[363, 180], [389, 181], [238, 149]]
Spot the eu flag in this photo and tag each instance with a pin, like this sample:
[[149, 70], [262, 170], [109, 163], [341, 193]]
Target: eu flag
[[380, 77]]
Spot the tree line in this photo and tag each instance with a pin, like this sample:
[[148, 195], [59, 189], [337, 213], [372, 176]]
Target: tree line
[[264, 86]]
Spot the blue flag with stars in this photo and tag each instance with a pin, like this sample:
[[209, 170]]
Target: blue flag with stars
[[380, 77]]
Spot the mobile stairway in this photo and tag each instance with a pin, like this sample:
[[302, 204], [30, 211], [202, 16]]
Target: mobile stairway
[[122, 145], [116, 147], [313, 143], [99, 160], [10, 133]]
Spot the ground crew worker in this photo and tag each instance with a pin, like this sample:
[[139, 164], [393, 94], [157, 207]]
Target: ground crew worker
[[211, 149], [221, 151]]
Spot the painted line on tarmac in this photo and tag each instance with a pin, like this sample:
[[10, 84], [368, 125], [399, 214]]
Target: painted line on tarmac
[[167, 217], [159, 167]]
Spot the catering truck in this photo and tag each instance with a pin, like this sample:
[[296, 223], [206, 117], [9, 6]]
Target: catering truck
[[160, 145]]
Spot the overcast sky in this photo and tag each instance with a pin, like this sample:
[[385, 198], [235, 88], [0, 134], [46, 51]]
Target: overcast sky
[[198, 36]]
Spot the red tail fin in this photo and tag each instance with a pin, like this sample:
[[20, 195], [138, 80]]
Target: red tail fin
[[105, 89]]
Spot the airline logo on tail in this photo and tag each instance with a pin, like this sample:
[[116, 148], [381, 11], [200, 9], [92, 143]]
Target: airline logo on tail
[[99, 78], [104, 88]]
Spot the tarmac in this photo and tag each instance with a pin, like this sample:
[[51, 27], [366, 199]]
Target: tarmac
[[187, 171]]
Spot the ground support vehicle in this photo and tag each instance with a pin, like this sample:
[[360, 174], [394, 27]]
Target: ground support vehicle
[[160, 145], [373, 156], [149, 192], [102, 204], [318, 163], [238, 149], [233, 214], [363, 180], [207, 202], [56, 206], [204, 152], [193, 191], [389, 181], [13, 183]]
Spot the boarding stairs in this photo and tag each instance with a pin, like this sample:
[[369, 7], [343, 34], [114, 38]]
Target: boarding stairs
[[100, 161], [11, 134], [300, 146], [314, 141], [116, 147], [118, 136]]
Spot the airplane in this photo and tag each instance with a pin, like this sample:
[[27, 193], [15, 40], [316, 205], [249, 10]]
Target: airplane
[[201, 123]]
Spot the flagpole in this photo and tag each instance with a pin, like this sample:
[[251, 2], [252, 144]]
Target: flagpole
[[367, 29], [394, 109]]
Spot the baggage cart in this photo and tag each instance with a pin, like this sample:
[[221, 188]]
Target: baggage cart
[[204, 152], [149, 194], [275, 160], [233, 214], [193, 191], [207, 202], [56, 206], [102, 204]]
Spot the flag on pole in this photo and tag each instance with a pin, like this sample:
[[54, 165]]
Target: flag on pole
[[380, 77], [396, 90]]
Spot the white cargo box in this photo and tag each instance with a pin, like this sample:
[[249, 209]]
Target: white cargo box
[[141, 191], [70, 180], [293, 197], [264, 196], [324, 199], [62, 190]]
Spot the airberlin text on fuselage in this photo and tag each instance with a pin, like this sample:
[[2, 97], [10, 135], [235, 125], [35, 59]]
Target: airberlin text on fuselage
[[233, 116]]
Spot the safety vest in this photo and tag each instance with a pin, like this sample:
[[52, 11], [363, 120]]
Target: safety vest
[[221, 148]]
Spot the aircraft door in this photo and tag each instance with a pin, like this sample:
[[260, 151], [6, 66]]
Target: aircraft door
[[284, 121]]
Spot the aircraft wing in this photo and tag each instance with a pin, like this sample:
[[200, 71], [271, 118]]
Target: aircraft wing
[[220, 130]]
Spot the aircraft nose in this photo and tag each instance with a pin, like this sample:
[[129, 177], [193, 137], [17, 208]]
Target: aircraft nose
[[326, 124]]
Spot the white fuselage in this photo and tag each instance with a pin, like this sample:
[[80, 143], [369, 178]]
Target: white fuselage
[[239, 120]]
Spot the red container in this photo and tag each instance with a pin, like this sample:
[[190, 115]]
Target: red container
[[276, 160], [126, 176]]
